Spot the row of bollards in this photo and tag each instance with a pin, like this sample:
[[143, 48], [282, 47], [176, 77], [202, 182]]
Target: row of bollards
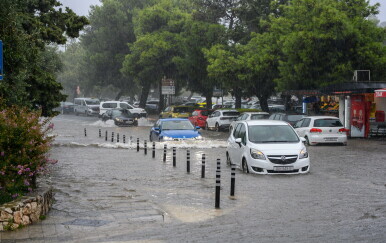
[[218, 169]]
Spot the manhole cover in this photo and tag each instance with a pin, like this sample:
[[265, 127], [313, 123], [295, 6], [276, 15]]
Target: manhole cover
[[87, 222]]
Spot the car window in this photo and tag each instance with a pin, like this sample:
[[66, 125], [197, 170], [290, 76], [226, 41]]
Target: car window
[[181, 110], [124, 106], [327, 122], [272, 117], [92, 102], [259, 116], [306, 122], [294, 117], [242, 134], [240, 118], [177, 125], [231, 113], [272, 134], [206, 113], [195, 113], [236, 131], [298, 123]]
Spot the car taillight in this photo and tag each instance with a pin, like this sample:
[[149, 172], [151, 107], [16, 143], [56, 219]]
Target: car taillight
[[315, 130], [344, 130]]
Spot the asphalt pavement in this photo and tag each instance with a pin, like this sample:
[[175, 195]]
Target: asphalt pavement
[[108, 192]]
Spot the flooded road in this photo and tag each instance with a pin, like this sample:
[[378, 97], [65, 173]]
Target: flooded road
[[108, 192]]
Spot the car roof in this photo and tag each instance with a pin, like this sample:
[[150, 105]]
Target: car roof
[[174, 119], [264, 122], [228, 110], [323, 117], [256, 112]]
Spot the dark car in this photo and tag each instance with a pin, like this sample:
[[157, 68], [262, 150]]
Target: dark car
[[291, 118], [121, 117], [65, 108]]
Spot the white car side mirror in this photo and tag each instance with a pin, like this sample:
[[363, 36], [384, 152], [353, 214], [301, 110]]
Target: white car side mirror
[[238, 140], [303, 139]]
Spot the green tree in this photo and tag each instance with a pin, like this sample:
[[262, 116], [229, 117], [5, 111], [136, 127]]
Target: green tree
[[26, 28], [324, 41], [192, 65], [152, 56]]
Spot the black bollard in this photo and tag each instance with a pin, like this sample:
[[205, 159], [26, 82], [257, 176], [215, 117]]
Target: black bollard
[[145, 146], [165, 147], [100, 133], [112, 137], [85, 132], [137, 144], [218, 187], [188, 161], [153, 150], [203, 166], [106, 136], [218, 164], [124, 138], [174, 156], [117, 137], [233, 179]]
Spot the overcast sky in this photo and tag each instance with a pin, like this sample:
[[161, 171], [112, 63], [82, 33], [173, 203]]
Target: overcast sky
[[82, 7]]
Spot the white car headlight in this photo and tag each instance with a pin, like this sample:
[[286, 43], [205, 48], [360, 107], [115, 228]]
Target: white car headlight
[[256, 154], [303, 154], [199, 137], [118, 119], [167, 138]]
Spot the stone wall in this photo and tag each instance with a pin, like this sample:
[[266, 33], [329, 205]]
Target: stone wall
[[25, 210]]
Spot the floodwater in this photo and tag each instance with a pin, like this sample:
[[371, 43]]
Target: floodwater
[[108, 192]]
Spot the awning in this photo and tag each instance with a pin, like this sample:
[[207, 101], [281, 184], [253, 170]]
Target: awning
[[353, 88], [380, 93]]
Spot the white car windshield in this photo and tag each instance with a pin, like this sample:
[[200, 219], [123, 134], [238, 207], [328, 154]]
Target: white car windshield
[[177, 125], [92, 102], [272, 134]]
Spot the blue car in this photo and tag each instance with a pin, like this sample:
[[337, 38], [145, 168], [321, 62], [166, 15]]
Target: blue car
[[174, 129]]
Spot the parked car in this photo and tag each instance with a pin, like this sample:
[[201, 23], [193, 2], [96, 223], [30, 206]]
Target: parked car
[[177, 112], [221, 119], [152, 106], [291, 118], [198, 117], [108, 105], [86, 106], [276, 108], [267, 147], [65, 108], [246, 116], [174, 129], [321, 129], [121, 117]]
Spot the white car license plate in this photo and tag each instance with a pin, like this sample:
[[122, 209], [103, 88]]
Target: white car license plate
[[283, 168]]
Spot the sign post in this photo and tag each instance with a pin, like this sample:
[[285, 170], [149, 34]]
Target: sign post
[[1, 60], [168, 87]]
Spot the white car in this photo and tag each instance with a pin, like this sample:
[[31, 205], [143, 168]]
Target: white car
[[109, 105], [321, 129], [267, 147], [246, 116], [221, 119]]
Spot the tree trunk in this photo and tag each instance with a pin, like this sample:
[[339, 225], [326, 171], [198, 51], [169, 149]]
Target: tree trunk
[[119, 95], [208, 98], [161, 102], [144, 95], [237, 93], [263, 99]]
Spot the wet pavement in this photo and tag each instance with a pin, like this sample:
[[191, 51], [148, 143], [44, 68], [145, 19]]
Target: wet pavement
[[108, 192]]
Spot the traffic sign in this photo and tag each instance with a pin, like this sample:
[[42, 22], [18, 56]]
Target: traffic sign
[[168, 90], [1, 60]]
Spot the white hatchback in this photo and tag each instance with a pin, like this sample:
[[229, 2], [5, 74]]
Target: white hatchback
[[221, 119], [321, 129], [267, 147]]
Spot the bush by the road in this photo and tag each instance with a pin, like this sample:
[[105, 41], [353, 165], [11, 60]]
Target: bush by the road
[[23, 150]]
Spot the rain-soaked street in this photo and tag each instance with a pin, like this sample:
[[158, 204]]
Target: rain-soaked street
[[108, 192]]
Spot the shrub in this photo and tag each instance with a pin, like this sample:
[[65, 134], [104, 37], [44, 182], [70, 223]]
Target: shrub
[[24, 143]]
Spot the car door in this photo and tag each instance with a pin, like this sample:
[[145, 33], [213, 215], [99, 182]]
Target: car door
[[240, 148], [193, 118], [154, 133], [212, 119], [232, 145], [304, 127]]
